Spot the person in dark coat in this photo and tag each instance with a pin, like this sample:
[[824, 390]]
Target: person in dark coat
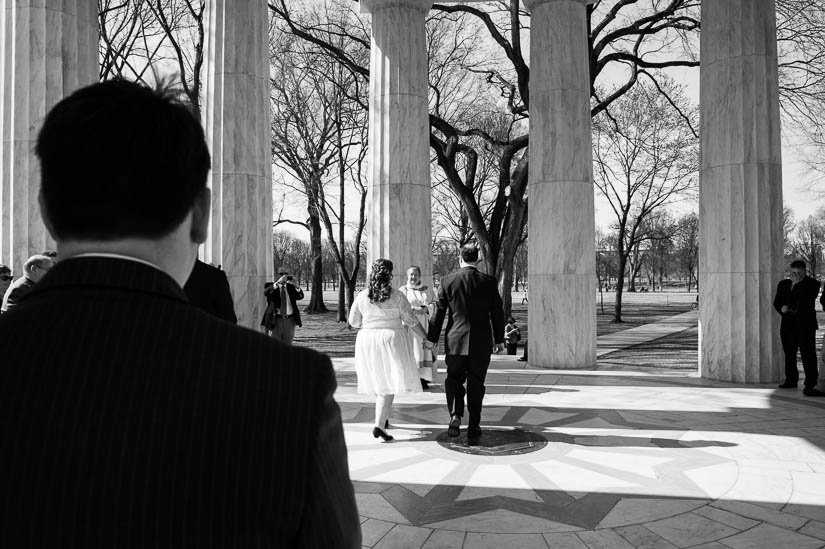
[[132, 418], [282, 315], [208, 289], [796, 301], [475, 329]]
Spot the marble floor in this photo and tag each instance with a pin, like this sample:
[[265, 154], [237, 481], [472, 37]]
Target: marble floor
[[647, 459]]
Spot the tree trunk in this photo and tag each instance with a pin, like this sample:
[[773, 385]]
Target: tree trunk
[[351, 283], [617, 310], [342, 304], [505, 286], [316, 300]]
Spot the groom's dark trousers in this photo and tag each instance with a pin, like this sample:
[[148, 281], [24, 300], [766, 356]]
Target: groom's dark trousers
[[461, 368]]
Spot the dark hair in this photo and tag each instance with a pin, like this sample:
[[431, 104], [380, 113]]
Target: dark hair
[[5, 269], [798, 264], [119, 159], [380, 279], [469, 253]]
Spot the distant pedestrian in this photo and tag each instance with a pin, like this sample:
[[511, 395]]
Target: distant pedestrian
[[512, 335], [795, 301], [282, 314], [34, 269]]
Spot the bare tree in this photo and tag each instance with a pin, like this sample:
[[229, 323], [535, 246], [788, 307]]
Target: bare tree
[[319, 135], [687, 247], [661, 230], [788, 226], [809, 241], [644, 156], [801, 43], [142, 40], [481, 105]]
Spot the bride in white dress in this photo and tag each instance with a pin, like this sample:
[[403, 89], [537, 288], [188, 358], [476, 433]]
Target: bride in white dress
[[384, 360]]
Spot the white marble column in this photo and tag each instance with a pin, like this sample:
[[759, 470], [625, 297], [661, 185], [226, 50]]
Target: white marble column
[[561, 260], [399, 222], [740, 208], [237, 123], [46, 52]]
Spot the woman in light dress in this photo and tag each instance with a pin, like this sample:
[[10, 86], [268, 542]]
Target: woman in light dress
[[384, 360], [421, 298]]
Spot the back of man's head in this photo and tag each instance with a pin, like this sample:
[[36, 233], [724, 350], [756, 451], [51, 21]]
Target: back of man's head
[[469, 253], [120, 160], [37, 262]]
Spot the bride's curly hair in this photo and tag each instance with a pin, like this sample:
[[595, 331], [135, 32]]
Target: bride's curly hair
[[380, 279]]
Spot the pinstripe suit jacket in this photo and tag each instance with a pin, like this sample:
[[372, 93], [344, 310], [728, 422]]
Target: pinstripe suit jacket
[[131, 418]]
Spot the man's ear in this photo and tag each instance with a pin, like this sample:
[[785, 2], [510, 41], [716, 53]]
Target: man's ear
[[200, 216], [44, 213]]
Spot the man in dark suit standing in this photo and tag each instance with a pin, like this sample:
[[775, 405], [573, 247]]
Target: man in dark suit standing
[[282, 314], [795, 300], [130, 417], [208, 289], [475, 329]]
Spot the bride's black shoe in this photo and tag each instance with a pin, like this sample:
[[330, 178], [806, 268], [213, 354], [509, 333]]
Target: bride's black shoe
[[378, 432]]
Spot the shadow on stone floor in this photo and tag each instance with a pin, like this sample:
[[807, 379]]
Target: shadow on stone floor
[[704, 464], [632, 520]]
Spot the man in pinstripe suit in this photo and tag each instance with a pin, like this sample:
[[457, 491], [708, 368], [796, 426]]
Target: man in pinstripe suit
[[130, 417]]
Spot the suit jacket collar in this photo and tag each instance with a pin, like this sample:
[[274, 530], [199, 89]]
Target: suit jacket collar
[[107, 272]]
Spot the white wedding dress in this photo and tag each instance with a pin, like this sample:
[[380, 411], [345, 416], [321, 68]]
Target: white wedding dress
[[384, 358]]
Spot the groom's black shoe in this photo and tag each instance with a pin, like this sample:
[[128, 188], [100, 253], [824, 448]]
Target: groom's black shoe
[[787, 385], [473, 434], [455, 426]]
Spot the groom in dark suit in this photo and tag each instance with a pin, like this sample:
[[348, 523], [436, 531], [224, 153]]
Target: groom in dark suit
[[475, 329], [130, 418]]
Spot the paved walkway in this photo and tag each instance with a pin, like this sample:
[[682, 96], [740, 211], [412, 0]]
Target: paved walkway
[[609, 343], [632, 459]]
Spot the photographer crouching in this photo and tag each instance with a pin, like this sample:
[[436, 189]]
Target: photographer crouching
[[282, 315]]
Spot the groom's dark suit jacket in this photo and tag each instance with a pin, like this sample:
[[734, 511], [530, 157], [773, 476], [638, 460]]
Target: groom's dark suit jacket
[[476, 315], [130, 418]]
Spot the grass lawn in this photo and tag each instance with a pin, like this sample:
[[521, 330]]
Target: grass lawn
[[322, 333]]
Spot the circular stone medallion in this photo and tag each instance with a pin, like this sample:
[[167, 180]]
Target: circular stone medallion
[[494, 442]]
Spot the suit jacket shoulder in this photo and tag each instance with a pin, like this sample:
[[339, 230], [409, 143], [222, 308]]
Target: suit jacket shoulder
[[156, 407], [208, 289]]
